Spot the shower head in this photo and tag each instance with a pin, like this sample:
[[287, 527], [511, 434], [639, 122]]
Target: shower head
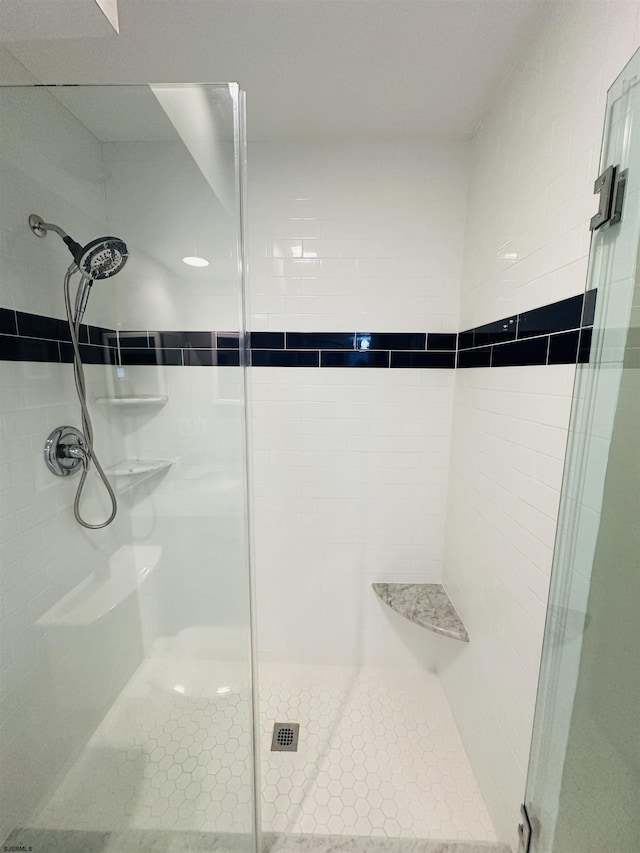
[[101, 258]]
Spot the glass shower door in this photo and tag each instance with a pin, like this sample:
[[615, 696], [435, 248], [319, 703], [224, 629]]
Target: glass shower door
[[583, 787], [126, 717]]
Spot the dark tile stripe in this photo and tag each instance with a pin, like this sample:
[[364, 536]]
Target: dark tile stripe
[[211, 358], [285, 358], [135, 340], [391, 340], [497, 332], [584, 349], [8, 323], [355, 358], [480, 357], [38, 326], [13, 348], [441, 341], [320, 340], [89, 353], [563, 348], [267, 340], [423, 359], [154, 356], [557, 317], [520, 353], [228, 340], [558, 333]]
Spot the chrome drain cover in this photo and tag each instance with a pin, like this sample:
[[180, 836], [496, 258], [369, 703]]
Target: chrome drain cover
[[285, 737]]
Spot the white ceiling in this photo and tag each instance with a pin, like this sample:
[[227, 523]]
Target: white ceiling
[[312, 69]]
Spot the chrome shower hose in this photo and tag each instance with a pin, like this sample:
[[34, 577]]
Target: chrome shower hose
[[87, 426]]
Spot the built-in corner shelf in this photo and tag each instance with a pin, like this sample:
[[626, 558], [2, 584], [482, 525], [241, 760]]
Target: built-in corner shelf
[[426, 604], [136, 470], [138, 400]]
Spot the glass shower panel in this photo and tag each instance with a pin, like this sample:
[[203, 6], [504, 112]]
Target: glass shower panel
[[583, 785], [125, 688]]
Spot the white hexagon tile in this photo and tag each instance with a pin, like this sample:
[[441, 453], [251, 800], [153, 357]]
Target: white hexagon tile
[[173, 753], [379, 755]]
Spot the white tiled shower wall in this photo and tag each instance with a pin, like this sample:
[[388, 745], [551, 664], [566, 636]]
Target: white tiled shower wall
[[350, 466], [534, 160]]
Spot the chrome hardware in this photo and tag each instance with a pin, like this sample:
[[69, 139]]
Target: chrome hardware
[[65, 450], [610, 185], [524, 831], [36, 223]]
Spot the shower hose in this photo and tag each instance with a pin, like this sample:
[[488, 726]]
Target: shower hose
[[88, 453]]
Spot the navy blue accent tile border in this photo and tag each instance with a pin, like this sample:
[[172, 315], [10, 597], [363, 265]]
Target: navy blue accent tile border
[[563, 348], [559, 333], [391, 340], [134, 340], [14, 348], [495, 333], [8, 322], [319, 340], [266, 340], [228, 340], [89, 353], [557, 317], [355, 358], [423, 359], [480, 357], [211, 357], [37, 326], [520, 353], [152, 356], [466, 339], [584, 349], [442, 341], [284, 358]]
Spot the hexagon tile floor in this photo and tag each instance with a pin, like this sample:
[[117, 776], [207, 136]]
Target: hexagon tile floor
[[173, 753], [379, 755]]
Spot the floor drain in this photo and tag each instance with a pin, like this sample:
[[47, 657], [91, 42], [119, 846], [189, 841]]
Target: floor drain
[[285, 737]]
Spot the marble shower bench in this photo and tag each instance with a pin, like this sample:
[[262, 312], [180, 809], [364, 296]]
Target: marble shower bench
[[426, 604]]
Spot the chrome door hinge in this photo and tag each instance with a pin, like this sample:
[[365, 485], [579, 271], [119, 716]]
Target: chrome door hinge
[[524, 831], [610, 185]]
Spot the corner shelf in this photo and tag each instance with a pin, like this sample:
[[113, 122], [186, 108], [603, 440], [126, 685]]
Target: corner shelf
[[137, 470], [426, 604], [139, 400]]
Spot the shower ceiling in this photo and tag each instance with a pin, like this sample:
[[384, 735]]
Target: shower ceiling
[[312, 69]]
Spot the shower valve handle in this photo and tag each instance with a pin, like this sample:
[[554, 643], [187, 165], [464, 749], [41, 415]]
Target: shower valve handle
[[65, 451]]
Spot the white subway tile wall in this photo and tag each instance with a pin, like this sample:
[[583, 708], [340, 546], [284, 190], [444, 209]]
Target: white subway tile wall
[[356, 237], [350, 466], [350, 474], [534, 160]]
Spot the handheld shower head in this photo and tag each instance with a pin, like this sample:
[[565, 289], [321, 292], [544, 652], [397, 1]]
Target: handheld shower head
[[101, 258]]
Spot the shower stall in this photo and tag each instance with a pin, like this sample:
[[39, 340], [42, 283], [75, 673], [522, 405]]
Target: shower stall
[[133, 713]]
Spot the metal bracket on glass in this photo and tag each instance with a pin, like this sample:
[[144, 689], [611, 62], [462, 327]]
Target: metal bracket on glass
[[65, 451], [610, 185], [524, 831]]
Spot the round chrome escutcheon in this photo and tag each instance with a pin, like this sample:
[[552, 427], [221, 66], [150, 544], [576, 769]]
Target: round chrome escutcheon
[[65, 451]]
